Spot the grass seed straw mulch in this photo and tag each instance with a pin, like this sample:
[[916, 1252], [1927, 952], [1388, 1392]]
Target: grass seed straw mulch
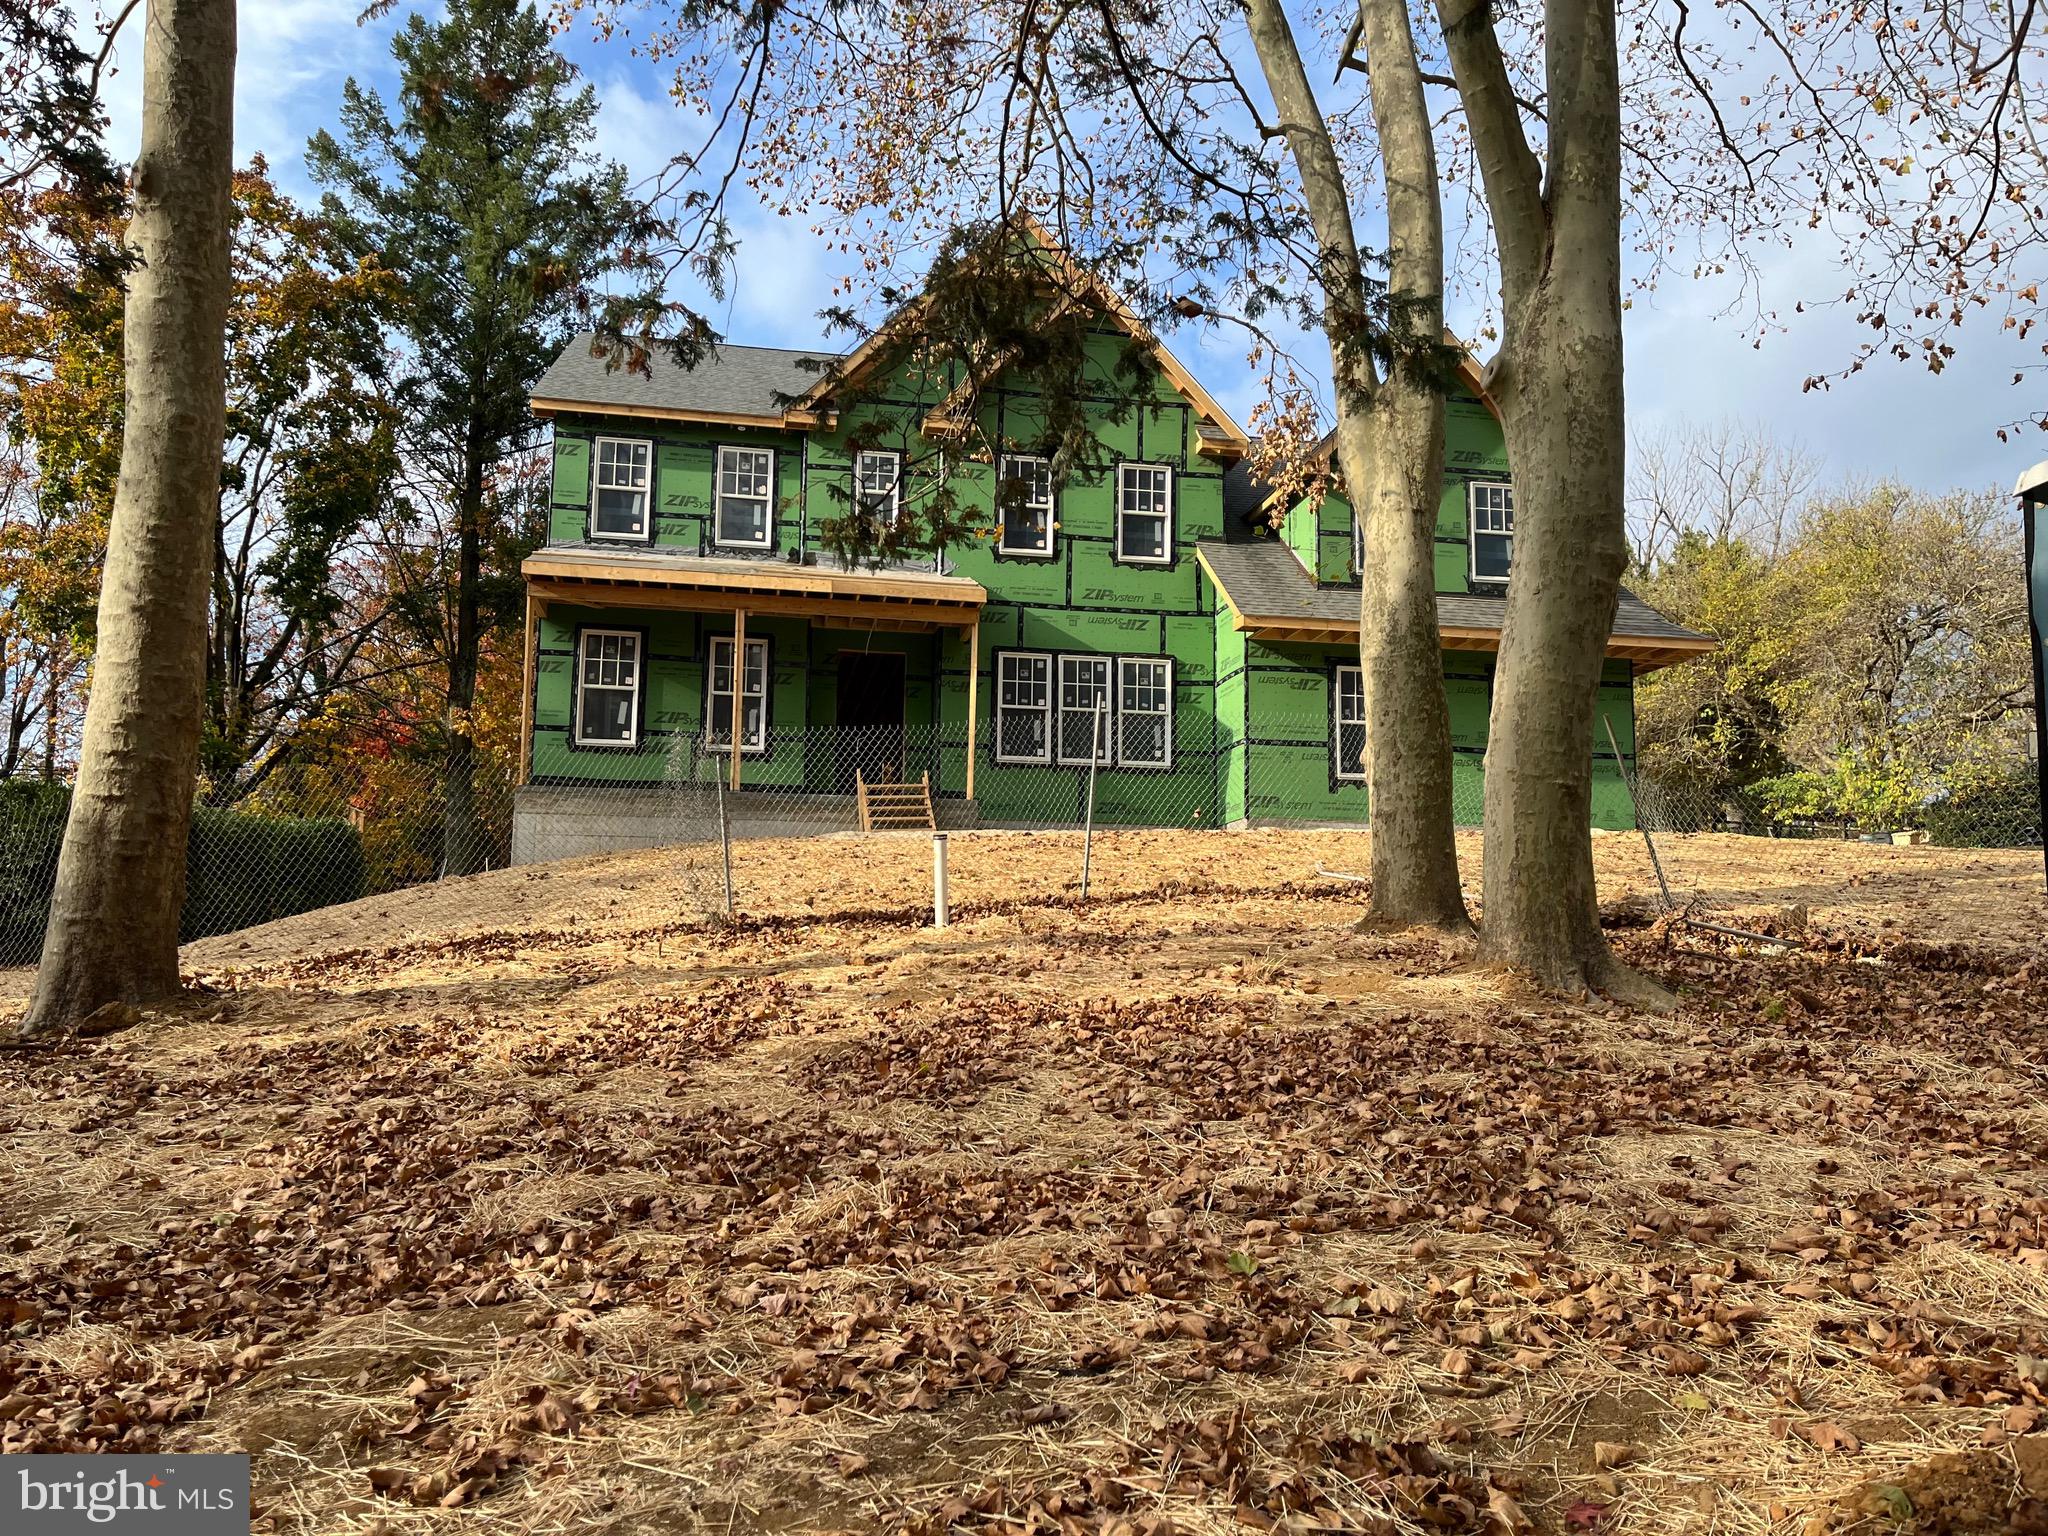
[[1192, 1209]]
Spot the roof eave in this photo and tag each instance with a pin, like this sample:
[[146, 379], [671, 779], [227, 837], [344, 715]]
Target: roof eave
[[547, 406]]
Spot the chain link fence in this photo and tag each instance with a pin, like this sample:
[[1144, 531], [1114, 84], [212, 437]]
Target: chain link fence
[[336, 828], [1679, 819]]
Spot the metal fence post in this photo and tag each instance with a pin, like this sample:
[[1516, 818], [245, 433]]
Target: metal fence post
[[938, 879], [1088, 829]]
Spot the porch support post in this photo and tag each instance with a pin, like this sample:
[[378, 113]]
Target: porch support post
[[973, 698], [737, 724], [533, 608]]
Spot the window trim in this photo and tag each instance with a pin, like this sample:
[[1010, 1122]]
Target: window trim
[[711, 696], [895, 517], [1052, 510], [590, 528], [1118, 508], [1045, 711], [1165, 716], [577, 740], [1472, 488], [1338, 722], [718, 539]]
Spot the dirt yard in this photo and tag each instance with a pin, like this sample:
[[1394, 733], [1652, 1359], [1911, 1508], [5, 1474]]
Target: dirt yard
[[531, 1203]]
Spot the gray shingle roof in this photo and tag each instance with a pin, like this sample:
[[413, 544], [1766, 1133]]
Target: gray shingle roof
[[1262, 578], [732, 380]]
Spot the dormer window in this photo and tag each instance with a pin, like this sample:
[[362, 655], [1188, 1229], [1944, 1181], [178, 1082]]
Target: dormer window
[[1492, 505]]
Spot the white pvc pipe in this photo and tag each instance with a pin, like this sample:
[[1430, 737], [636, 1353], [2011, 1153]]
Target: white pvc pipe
[[938, 879]]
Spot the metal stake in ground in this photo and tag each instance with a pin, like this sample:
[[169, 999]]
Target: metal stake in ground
[[724, 836], [1636, 804], [1088, 826]]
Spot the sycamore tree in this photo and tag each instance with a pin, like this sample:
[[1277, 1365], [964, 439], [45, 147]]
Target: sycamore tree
[[113, 928], [482, 194]]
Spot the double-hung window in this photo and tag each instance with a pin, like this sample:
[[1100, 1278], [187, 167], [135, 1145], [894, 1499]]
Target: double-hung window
[[1493, 529], [878, 486], [1085, 721], [620, 508], [1144, 514], [1144, 712], [1116, 711], [1348, 725], [744, 498], [1357, 545], [608, 688], [1025, 490], [753, 692], [1023, 707]]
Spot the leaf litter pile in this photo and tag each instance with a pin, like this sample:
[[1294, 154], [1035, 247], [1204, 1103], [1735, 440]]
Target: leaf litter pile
[[534, 1203]]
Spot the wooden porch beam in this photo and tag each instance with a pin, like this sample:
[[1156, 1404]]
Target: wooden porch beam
[[853, 613], [737, 727], [973, 698], [534, 606]]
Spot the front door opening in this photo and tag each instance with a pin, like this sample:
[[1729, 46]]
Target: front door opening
[[870, 718]]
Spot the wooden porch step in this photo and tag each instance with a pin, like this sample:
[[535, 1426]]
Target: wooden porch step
[[894, 807]]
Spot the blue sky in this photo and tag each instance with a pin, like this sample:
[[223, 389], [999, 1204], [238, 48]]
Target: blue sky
[[1686, 359]]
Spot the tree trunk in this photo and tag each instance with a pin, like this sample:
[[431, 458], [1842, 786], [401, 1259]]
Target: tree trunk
[[1560, 394], [462, 843], [113, 931], [1400, 481], [52, 697], [1390, 439], [1558, 381]]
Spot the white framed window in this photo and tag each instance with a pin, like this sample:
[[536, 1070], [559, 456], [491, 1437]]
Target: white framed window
[[744, 498], [618, 510], [1492, 504], [1357, 545], [1023, 707], [1144, 711], [1347, 724], [1083, 700], [753, 688], [1024, 488], [878, 485], [1144, 514], [608, 688]]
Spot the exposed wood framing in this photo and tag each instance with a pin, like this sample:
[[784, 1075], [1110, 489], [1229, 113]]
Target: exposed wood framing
[[973, 697], [736, 725], [533, 607], [852, 613]]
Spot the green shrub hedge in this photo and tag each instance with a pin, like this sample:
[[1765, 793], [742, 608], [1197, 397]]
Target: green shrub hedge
[[242, 867], [1999, 811]]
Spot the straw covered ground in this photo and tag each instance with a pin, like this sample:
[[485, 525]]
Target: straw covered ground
[[534, 1203]]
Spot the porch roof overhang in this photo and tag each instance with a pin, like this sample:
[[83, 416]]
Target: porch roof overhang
[[1270, 596], [882, 600]]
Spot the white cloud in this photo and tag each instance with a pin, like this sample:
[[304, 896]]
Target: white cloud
[[291, 59]]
